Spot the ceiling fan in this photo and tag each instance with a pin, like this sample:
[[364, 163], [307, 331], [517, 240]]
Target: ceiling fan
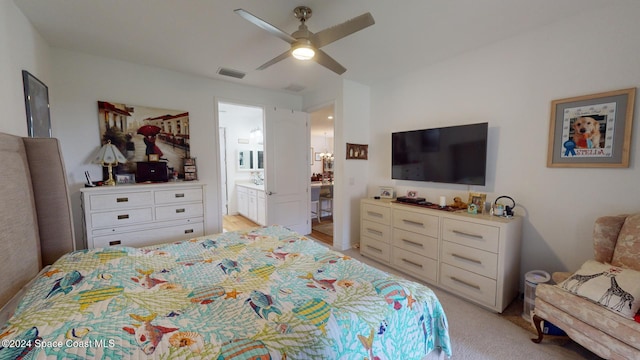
[[306, 45]]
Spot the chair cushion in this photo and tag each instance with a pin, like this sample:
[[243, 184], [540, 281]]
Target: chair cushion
[[615, 288], [627, 251]]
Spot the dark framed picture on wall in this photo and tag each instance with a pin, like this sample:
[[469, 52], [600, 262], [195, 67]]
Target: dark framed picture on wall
[[591, 130], [36, 100], [357, 151]]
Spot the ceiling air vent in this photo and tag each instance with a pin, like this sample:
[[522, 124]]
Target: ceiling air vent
[[231, 72], [294, 87]]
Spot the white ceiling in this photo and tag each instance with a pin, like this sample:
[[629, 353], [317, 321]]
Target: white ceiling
[[199, 36]]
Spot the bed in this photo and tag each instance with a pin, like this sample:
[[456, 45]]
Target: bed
[[264, 293]]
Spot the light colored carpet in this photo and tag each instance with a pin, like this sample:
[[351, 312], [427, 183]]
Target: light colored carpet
[[480, 334], [326, 229]]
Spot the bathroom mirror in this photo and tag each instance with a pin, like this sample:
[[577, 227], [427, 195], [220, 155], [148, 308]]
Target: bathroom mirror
[[245, 159]]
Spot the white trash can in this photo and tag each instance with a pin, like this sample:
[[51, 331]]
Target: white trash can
[[531, 281]]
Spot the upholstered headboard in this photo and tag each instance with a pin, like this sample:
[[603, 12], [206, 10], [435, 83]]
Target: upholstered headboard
[[35, 211]]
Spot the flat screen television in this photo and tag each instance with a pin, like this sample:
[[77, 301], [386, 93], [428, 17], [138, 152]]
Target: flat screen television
[[453, 154]]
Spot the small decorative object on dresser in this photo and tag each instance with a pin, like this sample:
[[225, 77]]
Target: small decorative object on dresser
[[478, 200], [125, 179], [458, 203], [190, 172], [412, 194], [473, 209], [151, 171], [385, 192]]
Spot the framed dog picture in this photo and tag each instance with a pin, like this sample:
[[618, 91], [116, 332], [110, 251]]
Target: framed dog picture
[[591, 130]]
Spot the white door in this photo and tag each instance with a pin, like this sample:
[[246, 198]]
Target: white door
[[287, 169]]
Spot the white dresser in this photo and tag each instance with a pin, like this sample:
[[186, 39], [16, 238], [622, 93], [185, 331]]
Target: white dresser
[[143, 214], [474, 256]]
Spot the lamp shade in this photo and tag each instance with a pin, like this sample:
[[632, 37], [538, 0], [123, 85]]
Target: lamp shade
[[109, 154]]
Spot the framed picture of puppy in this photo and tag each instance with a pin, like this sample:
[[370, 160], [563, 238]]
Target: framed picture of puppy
[[591, 130]]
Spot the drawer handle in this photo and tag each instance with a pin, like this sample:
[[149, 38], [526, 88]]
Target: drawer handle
[[178, 211], [467, 259], [412, 243], [372, 231], [458, 232], [123, 199], [188, 231], [115, 242], [477, 287], [411, 222], [179, 195], [412, 263], [123, 217], [374, 214], [374, 248]]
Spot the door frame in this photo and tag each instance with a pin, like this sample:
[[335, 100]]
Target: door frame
[[219, 187], [336, 200]]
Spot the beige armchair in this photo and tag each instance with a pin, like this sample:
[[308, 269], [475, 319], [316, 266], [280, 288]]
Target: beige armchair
[[602, 330]]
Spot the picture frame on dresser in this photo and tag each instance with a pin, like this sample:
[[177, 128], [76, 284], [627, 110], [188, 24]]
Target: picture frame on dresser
[[125, 179], [477, 199], [386, 192]]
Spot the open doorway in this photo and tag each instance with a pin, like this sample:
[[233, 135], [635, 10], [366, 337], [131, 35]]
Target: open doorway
[[242, 166], [322, 174]]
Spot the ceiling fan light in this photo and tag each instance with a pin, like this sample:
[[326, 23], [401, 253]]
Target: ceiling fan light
[[303, 52]]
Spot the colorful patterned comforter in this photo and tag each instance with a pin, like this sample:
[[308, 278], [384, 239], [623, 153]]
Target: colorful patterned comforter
[[267, 293]]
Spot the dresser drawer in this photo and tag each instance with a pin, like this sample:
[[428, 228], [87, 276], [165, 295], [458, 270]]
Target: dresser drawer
[[480, 262], [419, 244], [178, 196], [150, 237], [417, 265], [178, 211], [375, 231], [468, 284], [416, 222], [479, 236], [375, 213], [121, 217], [120, 200], [375, 249]]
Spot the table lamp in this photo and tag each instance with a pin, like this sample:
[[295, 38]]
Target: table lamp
[[109, 156]]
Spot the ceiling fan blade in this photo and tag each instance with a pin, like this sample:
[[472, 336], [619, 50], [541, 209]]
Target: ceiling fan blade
[[329, 35], [265, 25], [327, 61], [276, 59]]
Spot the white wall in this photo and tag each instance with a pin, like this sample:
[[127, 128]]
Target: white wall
[[81, 80], [21, 48], [511, 85]]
